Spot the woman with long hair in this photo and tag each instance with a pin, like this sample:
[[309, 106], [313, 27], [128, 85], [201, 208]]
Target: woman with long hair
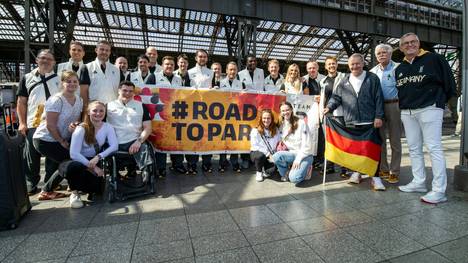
[[263, 141], [51, 139], [86, 150], [292, 83], [299, 146]]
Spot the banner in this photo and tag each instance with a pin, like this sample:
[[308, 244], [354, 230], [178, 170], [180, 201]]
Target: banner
[[357, 149], [208, 121]]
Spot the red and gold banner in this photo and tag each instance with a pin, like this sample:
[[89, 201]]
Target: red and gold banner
[[203, 121]]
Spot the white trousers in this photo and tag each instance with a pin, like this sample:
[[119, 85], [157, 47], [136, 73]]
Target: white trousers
[[425, 126]]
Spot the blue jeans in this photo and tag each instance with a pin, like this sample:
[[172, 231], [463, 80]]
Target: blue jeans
[[284, 159]]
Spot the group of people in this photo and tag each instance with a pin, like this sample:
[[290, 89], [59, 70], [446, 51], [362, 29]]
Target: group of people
[[69, 116]]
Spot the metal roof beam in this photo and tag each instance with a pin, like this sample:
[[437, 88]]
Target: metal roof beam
[[144, 25], [274, 40], [101, 14], [309, 34], [214, 37], [19, 22]]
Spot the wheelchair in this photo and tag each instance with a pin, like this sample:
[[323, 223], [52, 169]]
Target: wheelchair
[[125, 180]]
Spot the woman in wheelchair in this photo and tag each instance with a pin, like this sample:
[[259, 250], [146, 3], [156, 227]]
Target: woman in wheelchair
[[83, 173]]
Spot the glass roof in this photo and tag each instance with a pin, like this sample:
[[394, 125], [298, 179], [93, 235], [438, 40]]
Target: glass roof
[[134, 25]]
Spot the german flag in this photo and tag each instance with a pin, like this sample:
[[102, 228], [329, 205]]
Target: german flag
[[357, 149]]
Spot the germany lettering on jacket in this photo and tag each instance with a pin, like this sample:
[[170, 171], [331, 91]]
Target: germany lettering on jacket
[[410, 79]]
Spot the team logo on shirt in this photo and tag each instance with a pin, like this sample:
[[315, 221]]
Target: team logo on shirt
[[421, 69]]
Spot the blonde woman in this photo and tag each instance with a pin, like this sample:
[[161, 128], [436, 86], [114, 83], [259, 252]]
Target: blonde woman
[[292, 83]]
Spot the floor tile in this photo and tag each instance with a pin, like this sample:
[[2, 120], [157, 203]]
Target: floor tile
[[268, 233], [289, 250], [312, 225], [47, 245], [339, 246], [349, 218], [420, 230], [244, 255], [117, 256], [383, 239], [162, 230], [292, 211], [162, 252], [455, 250], [423, 256], [254, 216], [109, 237], [219, 242], [327, 205], [211, 223]]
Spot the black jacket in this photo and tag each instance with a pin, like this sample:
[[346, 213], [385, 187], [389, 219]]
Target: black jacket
[[426, 81], [366, 107]]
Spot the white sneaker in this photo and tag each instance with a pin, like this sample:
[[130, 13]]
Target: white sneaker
[[355, 178], [75, 201], [259, 176], [377, 184], [413, 188], [434, 197]]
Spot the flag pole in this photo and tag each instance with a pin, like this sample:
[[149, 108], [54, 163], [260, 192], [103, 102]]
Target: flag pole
[[324, 159]]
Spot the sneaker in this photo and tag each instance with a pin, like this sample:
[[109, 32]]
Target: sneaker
[[180, 169], [75, 201], [207, 169], [330, 170], [284, 178], [413, 188], [384, 175], [192, 170], [259, 176], [434, 198], [344, 174], [377, 184], [221, 169], [162, 173], [355, 178], [392, 179], [236, 168], [245, 164], [265, 174]]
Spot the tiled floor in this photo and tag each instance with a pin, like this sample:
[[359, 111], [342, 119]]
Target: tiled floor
[[232, 218]]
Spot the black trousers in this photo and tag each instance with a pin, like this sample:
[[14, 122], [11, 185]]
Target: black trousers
[[32, 163], [57, 154], [80, 178], [261, 162]]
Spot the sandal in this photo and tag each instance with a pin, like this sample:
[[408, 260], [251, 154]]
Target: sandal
[[50, 196]]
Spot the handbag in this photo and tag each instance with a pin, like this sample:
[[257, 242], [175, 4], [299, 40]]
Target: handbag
[[281, 146]]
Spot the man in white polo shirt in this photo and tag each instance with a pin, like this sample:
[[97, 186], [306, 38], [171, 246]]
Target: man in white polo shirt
[[34, 89], [100, 79], [132, 123]]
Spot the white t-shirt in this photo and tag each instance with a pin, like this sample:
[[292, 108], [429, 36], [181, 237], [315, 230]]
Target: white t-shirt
[[67, 114], [356, 82]]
